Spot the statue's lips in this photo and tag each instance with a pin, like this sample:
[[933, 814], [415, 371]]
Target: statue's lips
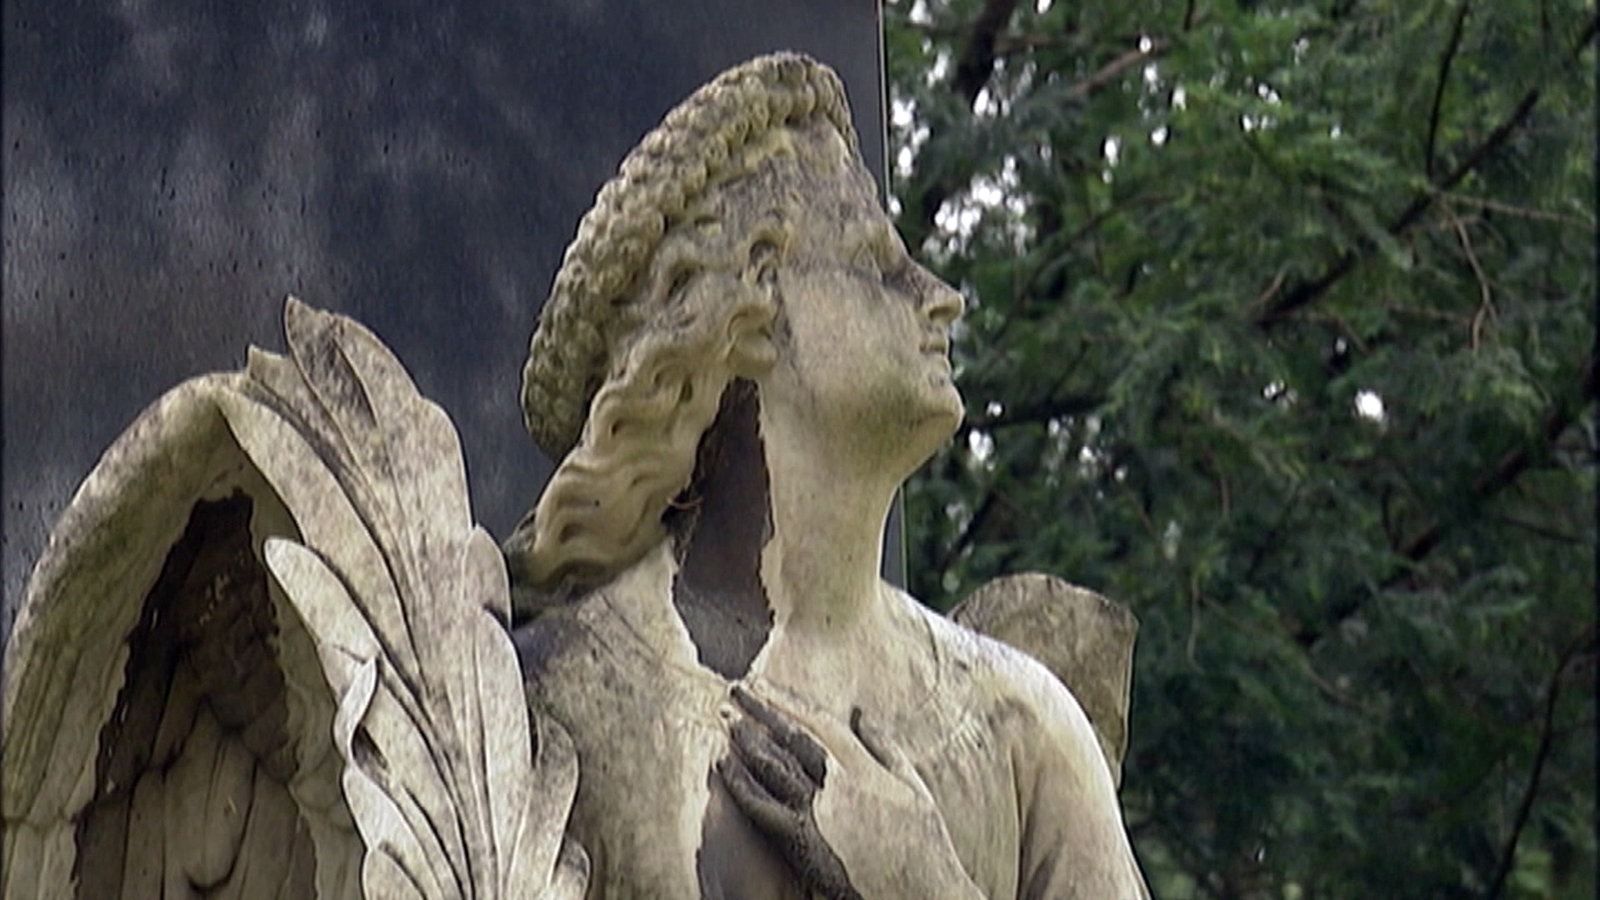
[[939, 346]]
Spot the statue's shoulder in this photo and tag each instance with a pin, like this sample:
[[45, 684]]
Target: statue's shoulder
[[627, 624], [545, 643], [985, 671], [1083, 638], [566, 650], [1056, 652]]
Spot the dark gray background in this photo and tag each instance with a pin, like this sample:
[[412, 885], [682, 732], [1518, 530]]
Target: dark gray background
[[174, 168]]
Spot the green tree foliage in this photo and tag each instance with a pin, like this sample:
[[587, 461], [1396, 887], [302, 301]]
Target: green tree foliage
[[1280, 330]]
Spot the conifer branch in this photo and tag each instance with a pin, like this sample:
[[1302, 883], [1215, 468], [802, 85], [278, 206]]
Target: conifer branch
[[1284, 302], [1547, 732], [1450, 48]]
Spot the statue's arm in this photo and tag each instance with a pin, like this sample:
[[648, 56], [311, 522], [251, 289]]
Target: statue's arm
[[1074, 841]]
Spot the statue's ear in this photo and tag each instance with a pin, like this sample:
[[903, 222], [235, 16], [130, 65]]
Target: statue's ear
[[750, 329]]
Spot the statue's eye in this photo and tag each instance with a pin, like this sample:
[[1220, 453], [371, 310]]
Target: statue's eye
[[866, 259], [894, 265]]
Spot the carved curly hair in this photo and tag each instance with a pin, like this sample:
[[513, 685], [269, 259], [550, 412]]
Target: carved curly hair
[[641, 330], [700, 143]]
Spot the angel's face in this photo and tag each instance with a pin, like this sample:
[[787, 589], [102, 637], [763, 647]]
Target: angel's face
[[862, 326]]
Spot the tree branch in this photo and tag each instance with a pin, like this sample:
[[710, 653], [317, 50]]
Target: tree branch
[[979, 517], [1510, 466], [1307, 292], [1545, 531], [967, 80], [1552, 692], [985, 45], [1450, 49], [1038, 413], [1119, 64], [977, 63], [1505, 471], [1524, 212], [1486, 308]]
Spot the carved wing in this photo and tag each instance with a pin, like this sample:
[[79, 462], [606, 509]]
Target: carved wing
[[178, 721], [1082, 637]]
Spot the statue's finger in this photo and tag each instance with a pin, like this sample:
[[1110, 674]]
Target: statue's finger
[[794, 738], [759, 806], [773, 766]]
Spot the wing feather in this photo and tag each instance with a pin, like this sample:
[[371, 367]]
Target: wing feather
[[407, 602], [454, 787]]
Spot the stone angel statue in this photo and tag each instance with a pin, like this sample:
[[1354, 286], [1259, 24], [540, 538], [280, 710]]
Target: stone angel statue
[[268, 654]]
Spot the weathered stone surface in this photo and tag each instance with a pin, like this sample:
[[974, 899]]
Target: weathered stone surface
[[710, 691], [1082, 637]]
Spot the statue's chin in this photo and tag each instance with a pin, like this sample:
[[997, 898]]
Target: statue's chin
[[942, 419], [951, 408]]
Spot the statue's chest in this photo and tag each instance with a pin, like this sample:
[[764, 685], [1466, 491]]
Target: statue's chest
[[649, 731], [650, 810]]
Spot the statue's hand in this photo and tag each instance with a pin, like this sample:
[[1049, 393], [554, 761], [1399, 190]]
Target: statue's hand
[[853, 820], [774, 774]]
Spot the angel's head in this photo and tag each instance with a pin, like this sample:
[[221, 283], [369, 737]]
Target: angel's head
[[670, 291]]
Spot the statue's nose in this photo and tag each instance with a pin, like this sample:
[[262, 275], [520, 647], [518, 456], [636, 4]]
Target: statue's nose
[[940, 302]]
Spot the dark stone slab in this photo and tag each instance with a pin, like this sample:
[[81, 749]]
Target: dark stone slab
[[173, 169]]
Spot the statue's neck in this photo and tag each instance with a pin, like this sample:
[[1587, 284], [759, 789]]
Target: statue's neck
[[783, 543], [823, 562]]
